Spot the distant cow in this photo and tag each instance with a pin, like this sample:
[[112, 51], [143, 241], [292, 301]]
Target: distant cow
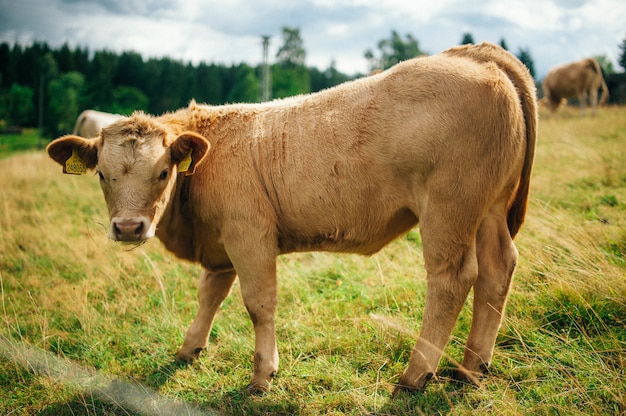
[[90, 122], [445, 141], [580, 79]]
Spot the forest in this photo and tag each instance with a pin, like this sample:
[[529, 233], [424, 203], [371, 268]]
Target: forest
[[46, 87]]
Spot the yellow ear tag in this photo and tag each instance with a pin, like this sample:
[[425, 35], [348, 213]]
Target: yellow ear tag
[[74, 165], [184, 164]]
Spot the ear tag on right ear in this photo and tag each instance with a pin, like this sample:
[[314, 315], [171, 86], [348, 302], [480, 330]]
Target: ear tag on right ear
[[183, 165], [74, 165]]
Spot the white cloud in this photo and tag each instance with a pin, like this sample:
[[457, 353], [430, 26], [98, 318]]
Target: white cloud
[[554, 31]]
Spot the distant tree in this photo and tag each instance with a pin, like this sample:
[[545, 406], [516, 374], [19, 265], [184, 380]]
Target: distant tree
[[128, 99], [291, 54], [81, 60], [503, 44], [64, 58], [64, 99], [20, 109], [15, 56], [622, 55], [48, 71], [327, 78], [468, 39], [246, 86], [392, 51], [524, 55], [167, 88], [287, 82], [130, 70], [209, 87], [99, 80], [5, 65], [289, 74], [333, 75], [30, 64]]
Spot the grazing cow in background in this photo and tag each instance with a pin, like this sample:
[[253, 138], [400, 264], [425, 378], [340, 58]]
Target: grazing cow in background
[[580, 79], [446, 142], [90, 122]]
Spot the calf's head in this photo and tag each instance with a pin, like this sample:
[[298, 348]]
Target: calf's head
[[138, 160]]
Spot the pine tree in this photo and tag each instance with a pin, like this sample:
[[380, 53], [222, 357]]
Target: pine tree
[[524, 56], [468, 39], [622, 56]]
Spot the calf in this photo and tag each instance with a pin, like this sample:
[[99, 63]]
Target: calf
[[580, 79], [90, 122], [446, 142]]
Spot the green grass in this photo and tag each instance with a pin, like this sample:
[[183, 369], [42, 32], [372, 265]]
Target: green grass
[[91, 327], [28, 140]]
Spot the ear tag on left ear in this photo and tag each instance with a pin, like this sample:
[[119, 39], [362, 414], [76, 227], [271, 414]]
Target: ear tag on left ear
[[74, 165], [184, 164]]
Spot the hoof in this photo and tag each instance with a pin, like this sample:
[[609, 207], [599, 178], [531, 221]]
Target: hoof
[[261, 385], [464, 375], [188, 357], [258, 389], [405, 385]]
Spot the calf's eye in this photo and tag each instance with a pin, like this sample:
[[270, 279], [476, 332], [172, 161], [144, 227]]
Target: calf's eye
[[163, 175], [101, 175]]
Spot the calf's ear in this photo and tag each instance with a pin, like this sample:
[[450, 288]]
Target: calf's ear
[[188, 150], [76, 154]]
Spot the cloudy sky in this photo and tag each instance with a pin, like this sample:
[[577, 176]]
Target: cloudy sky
[[229, 31]]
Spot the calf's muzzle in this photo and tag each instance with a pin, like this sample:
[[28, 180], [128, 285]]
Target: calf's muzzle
[[130, 229]]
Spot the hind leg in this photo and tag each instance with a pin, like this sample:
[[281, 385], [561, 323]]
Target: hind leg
[[450, 257], [497, 257]]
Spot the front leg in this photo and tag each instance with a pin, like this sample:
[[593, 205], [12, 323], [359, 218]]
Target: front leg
[[260, 297], [212, 290], [253, 253]]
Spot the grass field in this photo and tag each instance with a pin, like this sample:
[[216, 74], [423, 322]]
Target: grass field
[[27, 140], [90, 327]]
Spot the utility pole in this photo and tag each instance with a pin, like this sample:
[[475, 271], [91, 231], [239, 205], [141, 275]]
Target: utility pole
[[266, 90]]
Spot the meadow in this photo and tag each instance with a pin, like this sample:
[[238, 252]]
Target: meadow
[[90, 327]]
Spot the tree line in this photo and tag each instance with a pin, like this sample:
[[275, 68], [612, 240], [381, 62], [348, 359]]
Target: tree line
[[47, 87]]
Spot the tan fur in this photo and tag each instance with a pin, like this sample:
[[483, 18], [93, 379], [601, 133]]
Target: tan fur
[[90, 122], [445, 141], [580, 79]]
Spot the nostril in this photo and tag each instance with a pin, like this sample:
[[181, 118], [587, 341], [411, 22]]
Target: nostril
[[116, 230], [139, 230]]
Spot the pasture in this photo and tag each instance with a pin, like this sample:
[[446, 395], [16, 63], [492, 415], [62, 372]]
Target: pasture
[[91, 327]]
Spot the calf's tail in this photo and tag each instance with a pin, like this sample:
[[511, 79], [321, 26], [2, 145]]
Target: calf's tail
[[605, 93]]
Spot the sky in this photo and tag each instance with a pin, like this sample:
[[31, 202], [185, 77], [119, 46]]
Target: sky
[[333, 31]]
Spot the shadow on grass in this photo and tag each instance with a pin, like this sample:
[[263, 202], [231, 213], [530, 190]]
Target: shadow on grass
[[440, 397], [241, 401], [163, 373], [417, 403]]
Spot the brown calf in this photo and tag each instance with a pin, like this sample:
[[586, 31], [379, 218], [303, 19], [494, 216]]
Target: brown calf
[[446, 142]]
